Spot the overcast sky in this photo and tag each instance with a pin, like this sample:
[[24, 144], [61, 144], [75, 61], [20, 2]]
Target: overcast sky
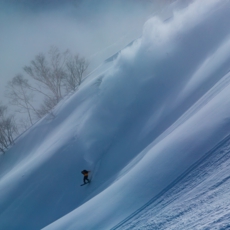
[[90, 28]]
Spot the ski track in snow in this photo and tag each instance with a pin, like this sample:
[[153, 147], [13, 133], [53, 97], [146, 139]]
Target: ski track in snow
[[198, 200]]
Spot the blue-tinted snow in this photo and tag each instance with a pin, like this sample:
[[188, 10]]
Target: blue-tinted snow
[[138, 125]]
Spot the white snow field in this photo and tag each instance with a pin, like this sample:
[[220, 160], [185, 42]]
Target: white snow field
[[153, 126]]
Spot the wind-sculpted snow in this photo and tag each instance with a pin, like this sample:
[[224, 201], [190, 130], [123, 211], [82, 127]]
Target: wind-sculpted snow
[[138, 125], [199, 199]]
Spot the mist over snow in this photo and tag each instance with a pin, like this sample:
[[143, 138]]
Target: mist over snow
[[94, 29], [151, 124]]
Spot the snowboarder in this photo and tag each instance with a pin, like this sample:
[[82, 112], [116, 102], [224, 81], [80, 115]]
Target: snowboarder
[[86, 174]]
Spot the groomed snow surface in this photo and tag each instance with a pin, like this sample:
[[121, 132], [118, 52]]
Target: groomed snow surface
[[153, 127]]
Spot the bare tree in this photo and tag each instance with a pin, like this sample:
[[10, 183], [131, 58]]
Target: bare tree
[[75, 72], [23, 124], [53, 76], [62, 69], [49, 74], [57, 75], [3, 138], [19, 94], [46, 107], [8, 129]]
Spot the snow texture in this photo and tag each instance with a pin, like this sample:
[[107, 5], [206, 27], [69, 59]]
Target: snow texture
[[152, 125]]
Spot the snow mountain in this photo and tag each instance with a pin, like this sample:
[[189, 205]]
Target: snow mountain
[[152, 124]]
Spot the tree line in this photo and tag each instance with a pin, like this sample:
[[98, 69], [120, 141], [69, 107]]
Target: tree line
[[46, 80]]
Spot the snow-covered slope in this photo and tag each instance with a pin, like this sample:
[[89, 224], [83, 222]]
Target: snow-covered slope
[[138, 124], [198, 199]]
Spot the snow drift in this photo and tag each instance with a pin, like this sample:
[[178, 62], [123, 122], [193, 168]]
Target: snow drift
[[138, 125]]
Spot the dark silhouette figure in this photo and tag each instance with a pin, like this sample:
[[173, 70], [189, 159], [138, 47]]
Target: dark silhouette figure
[[86, 174]]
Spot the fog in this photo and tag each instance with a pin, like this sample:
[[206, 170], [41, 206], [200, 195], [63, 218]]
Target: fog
[[94, 29]]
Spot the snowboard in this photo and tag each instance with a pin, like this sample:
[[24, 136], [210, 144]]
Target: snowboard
[[85, 183]]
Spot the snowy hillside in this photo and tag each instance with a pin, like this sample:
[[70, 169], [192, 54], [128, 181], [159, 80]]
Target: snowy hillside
[[152, 125]]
